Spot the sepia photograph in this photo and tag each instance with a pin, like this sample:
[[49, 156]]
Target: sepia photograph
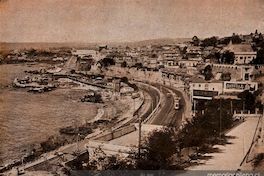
[[131, 87]]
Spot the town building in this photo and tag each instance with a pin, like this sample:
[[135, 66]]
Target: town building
[[201, 89], [194, 51], [185, 63], [239, 86], [238, 72], [84, 53], [244, 53], [204, 90], [174, 75]]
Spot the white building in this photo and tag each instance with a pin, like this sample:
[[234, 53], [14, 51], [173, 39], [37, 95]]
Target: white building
[[188, 63], [237, 87], [194, 51], [238, 72], [244, 53], [244, 57], [201, 89], [167, 62]]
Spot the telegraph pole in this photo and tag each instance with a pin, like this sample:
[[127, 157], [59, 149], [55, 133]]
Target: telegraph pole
[[262, 127], [243, 106], [194, 107], [139, 135], [77, 144], [220, 117], [231, 104]]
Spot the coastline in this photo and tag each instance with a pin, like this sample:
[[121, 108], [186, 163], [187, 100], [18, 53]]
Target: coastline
[[25, 125]]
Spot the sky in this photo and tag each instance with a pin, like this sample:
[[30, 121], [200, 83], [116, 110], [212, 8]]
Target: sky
[[125, 20]]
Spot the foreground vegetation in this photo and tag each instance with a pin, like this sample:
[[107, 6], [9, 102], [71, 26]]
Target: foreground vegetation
[[174, 149]]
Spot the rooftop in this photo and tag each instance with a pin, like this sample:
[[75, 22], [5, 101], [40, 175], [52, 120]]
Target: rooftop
[[240, 48]]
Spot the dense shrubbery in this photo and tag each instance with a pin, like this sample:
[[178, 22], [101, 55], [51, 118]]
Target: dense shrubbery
[[213, 118], [163, 148], [228, 57], [258, 159], [260, 57], [159, 149], [212, 41], [207, 72], [40, 53], [105, 62], [158, 152], [125, 80], [124, 64], [96, 98]]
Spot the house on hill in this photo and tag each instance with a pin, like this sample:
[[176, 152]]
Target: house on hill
[[244, 53]]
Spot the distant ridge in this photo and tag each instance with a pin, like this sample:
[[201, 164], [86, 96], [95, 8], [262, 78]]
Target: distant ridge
[[44, 45], [161, 41]]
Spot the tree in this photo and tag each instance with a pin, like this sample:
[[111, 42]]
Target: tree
[[124, 64], [248, 99], [157, 153], [258, 159], [195, 41], [124, 79], [32, 52], [105, 62], [102, 161], [204, 128], [183, 50], [212, 41], [225, 40], [236, 39], [139, 65], [259, 58], [207, 72], [159, 148], [213, 56], [228, 57]]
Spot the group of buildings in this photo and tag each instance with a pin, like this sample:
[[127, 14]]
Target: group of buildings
[[185, 62]]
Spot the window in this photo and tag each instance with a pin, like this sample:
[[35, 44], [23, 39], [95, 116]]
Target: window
[[246, 76], [206, 87]]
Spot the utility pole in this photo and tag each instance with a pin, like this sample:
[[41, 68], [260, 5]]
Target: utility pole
[[243, 106], [77, 144], [231, 104], [134, 104], [151, 106], [139, 135], [194, 106], [262, 127], [220, 118]]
